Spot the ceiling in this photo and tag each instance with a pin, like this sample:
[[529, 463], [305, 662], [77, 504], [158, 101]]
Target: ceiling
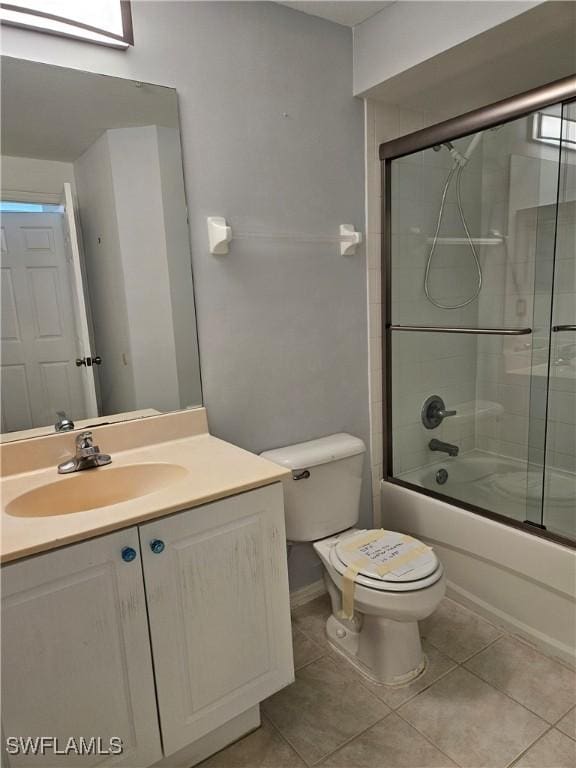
[[56, 114], [346, 13]]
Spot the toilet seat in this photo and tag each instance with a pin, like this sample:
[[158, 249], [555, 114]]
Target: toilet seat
[[417, 570]]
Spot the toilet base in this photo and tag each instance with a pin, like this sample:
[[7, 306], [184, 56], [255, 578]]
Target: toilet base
[[385, 651]]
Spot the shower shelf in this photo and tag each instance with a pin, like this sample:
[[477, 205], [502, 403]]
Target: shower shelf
[[464, 240], [479, 331]]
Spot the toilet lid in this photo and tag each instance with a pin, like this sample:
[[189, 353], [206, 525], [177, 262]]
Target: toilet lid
[[386, 556]]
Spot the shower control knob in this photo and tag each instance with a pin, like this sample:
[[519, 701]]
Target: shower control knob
[[434, 412]]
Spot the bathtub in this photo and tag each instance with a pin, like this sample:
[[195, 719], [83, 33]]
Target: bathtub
[[503, 485], [517, 580]]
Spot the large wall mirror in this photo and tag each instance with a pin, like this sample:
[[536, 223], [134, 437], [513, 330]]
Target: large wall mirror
[[97, 314]]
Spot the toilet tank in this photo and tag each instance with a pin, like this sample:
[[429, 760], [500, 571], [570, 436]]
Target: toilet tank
[[323, 495]]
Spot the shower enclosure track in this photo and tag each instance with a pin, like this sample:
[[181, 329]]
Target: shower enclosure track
[[445, 329]]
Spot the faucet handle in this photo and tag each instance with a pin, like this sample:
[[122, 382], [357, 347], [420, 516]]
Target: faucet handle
[[63, 423], [434, 411], [85, 440]]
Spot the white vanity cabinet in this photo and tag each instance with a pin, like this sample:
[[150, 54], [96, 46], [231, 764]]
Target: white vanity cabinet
[[217, 588], [75, 652], [207, 588]]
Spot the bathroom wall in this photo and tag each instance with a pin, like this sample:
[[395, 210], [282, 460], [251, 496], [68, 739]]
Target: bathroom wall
[[273, 140], [417, 31], [37, 180]]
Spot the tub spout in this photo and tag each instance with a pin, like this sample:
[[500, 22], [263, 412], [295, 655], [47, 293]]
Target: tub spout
[[438, 445]]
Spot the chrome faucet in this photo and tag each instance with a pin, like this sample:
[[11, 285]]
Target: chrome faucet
[[87, 456], [64, 424], [438, 445]]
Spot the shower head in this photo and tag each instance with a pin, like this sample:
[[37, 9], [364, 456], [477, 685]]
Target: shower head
[[459, 158], [472, 146]]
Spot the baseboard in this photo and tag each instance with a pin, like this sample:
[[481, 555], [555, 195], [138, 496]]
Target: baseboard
[[307, 593], [537, 639]]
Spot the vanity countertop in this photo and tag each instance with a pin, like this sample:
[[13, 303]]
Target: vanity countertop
[[214, 469]]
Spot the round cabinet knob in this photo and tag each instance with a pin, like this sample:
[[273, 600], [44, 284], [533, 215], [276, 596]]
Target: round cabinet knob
[[128, 554], [157, 546]]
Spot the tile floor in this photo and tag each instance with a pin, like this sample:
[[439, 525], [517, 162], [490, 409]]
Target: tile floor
[[486, 700]]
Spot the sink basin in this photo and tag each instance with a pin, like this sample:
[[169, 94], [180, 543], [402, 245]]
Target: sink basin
[[95, 488]]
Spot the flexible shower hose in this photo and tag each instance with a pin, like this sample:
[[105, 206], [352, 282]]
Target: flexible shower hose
[[457, 169]]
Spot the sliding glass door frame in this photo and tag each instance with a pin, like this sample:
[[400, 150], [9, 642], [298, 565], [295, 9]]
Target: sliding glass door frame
[[515, 107]]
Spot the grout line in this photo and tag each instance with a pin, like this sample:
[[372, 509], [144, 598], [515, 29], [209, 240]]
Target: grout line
[[365, 684], [508, 696], [428, 739], [307, 664], [536, 649], [515, 760], [352, 738], [286, 740], [562, 718], [476, 653]]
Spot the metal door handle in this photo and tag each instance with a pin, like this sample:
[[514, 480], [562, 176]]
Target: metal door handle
[[88, 361]]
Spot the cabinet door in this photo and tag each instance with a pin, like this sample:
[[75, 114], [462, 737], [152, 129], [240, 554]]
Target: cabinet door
[[219, 611], [76, 656]]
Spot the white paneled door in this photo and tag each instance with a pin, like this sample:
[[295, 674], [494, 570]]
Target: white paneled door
[[38, 323], [82, 325]]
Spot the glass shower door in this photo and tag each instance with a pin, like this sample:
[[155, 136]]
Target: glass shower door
[[559, 492], [471, 268]]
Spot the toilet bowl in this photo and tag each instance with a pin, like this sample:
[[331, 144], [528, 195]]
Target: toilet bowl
[[380, 583], [382, 639]]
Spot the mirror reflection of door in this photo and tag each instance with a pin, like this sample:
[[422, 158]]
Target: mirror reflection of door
[[105, 276], [41, 321], [82, 325]]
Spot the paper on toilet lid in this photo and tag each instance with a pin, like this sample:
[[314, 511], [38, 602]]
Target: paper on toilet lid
[[387, 555]]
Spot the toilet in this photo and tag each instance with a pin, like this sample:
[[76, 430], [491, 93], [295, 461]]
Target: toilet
[[381, 583]]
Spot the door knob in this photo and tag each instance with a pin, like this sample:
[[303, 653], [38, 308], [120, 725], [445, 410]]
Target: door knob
[[88, 361], [128, 554], [157, 546]]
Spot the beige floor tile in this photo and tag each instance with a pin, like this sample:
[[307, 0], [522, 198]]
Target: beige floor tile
[[311, 619], [541, 684], [264, 748], [568, 724], [391, 743], [473, 723], [457, 632], [305, 650], [553, 750], [437, 665], [324, 708]]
